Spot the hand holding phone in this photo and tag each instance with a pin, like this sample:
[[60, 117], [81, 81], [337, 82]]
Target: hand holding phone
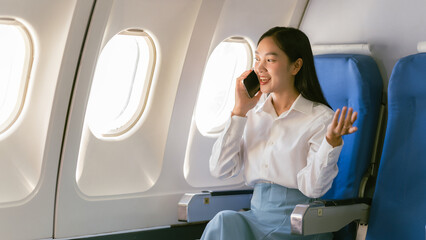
[[248, 84], [251, 83]]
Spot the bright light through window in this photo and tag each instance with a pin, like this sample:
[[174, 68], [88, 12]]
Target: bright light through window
[[217, 94], [15, 52], [121, 83]]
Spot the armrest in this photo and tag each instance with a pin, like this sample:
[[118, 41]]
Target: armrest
[[196, 207], [328, 216]]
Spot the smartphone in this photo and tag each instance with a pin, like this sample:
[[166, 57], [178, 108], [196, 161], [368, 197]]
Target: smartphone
[[251, 82]]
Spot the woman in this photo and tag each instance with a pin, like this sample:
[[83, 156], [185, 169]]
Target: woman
[[287, 144]]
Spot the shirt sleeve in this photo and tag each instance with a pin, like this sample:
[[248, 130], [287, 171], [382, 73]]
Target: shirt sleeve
[[316, 178], [226, 159]]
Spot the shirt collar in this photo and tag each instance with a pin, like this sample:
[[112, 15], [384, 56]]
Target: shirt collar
[[301, 104]]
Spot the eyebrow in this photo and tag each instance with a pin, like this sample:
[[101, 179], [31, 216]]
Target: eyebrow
[[267, 54]]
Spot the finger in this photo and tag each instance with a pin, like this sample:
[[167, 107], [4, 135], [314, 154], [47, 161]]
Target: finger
[[245, 74], [352, 130], [257, 96], [342, 119], [240, 79], [240, 91], [354, 117], [348, 118], [334, 122], [240, 83]]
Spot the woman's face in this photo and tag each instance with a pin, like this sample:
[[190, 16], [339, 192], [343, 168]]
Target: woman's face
[[276, 73]]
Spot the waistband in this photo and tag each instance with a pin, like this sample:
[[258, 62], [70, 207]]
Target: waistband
[[264, 181]]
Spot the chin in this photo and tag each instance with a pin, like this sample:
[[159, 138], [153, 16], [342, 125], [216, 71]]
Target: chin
[[265, 90]]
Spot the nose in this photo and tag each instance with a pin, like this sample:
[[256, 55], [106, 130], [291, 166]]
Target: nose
[[259, 67]]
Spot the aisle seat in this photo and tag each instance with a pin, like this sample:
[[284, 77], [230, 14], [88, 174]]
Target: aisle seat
[[398, 210]]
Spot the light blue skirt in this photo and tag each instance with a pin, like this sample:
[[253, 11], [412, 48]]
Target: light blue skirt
[[269, 217]]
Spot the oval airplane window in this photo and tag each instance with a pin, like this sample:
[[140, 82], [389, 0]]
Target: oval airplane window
[[217, 93], [121, 83], [15, 62]]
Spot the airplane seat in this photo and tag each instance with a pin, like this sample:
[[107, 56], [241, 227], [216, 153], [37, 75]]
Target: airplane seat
[[352, 80], [398, 210]]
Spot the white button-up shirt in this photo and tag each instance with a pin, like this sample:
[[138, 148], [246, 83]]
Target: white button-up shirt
[[289, 150]]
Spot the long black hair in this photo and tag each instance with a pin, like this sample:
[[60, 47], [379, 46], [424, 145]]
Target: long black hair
[[295, 44]]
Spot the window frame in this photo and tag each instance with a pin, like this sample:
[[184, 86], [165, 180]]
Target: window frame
[[26, 73], [146, 88], [249, 47]]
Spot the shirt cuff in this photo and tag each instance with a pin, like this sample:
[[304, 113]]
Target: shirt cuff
[[235, 126], [330, 153]]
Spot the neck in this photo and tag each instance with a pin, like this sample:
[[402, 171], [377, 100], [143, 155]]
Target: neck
[[283, 101]]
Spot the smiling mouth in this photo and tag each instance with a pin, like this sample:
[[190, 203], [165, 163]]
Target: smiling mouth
[[263, 80]]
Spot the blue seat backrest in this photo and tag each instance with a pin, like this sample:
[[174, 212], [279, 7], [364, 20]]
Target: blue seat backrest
[[398, 210], [355, 81]]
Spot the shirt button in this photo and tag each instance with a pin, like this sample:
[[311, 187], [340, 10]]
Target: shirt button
[[265, 165]]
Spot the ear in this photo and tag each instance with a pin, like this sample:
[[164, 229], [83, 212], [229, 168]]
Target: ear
[[297, 65]]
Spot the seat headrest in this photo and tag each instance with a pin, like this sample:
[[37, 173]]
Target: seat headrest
[[421, 47], [361, 48], [407, 78]]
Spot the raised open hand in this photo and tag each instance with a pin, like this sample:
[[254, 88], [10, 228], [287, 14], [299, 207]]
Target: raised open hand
[[341, 125]]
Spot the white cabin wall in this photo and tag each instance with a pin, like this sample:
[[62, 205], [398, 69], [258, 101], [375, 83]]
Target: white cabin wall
[[196, 57], [393, 28], [171, 24], [252, 18]]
